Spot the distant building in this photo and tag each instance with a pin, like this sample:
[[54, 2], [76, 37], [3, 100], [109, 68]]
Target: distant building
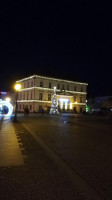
[[100, 104], [37, 91]]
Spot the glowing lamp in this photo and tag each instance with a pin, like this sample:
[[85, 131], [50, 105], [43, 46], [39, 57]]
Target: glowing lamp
[[7, 99], [17, 87], [70, 105], [64, 100], [66, 106], [76, 102]]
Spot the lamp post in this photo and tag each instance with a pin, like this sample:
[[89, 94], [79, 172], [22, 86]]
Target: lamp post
[[17, 88]]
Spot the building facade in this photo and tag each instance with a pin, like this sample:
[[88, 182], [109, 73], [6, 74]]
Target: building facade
[[37, 91]]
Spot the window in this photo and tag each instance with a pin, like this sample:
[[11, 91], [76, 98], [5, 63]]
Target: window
[[31, 95], [49, 85], [67, 87], [81, 89], [24, 96], [75, 98], [24, 85], [28, 84], [23, 106], [40, 96], [20, 106], [80, 99], [27, 95], [75, 111], [63, 87], [20, 96], [75, 88], [58, 86], [80, 109], [41, 84], [40, 108], [30, 107], [32, 84], [49, 97]]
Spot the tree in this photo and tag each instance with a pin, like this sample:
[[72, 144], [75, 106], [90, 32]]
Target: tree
[[54, 105]]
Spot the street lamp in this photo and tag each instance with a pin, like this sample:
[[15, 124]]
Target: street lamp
[[17, 88]]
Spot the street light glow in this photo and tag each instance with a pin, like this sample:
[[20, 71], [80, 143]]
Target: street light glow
[[7, 99], [17, 87]]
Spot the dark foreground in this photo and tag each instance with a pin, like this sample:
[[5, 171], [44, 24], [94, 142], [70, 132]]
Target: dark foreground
[[65, 157]]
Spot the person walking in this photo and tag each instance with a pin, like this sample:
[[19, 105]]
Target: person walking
[[26, 111], [42, 111]]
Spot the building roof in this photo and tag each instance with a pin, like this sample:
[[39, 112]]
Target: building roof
[[52, 79]]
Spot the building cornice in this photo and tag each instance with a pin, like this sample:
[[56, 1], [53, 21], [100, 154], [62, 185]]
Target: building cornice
[[50, 89], [39, 101], [43, 101], [49, 78]]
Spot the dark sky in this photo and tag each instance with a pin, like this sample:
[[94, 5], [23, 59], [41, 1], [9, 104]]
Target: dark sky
[[69, 39]]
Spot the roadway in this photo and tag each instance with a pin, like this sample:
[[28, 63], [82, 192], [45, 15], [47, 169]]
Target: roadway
[[72, 154]]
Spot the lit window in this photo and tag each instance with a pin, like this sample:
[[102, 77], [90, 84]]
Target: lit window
[[41, 84], [40, 96]]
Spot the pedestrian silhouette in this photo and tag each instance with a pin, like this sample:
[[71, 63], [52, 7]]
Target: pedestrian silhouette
[[26, 111], [42, 111]]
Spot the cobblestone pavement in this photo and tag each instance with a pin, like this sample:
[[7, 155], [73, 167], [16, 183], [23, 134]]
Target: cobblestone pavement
[[87, 148], [38, 179]]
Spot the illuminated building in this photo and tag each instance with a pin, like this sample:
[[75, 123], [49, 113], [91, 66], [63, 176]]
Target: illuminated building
[[37, 91]]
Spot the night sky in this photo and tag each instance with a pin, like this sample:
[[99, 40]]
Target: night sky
[[69, 39]]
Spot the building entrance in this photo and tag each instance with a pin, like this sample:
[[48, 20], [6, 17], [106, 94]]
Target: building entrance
[[64, 104]]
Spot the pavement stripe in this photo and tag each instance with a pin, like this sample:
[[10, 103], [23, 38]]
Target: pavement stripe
[[79, 183]]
